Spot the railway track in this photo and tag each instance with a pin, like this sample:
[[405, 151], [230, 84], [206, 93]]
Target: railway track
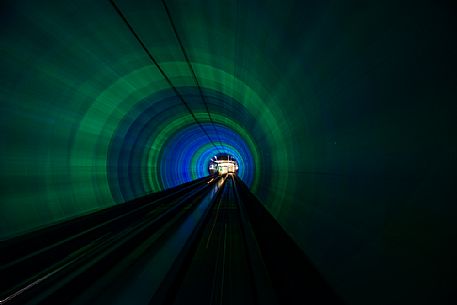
[[221, 263], [56, 264], [205, 242]]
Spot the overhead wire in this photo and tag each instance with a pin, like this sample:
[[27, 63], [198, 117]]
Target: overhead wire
[[167, 79], [194, 75]]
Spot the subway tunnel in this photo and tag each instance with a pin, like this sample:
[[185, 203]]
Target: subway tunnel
[[340, 114]]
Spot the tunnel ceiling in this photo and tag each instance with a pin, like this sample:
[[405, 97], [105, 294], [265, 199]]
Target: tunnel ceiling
[[335, 111]]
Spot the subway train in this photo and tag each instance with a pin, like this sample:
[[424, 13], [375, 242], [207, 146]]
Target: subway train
[[225, 167], [222, 167]]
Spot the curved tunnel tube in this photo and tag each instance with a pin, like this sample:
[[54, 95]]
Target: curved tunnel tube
[[340, 115]]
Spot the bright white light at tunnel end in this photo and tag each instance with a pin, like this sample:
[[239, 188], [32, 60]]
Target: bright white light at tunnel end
[[224, 165]]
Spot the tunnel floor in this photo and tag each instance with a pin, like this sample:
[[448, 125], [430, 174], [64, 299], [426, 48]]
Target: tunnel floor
[[204, 242]]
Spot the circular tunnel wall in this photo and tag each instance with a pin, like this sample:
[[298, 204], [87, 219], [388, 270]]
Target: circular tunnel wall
[[156, 148], [104, 125], [341, 114]]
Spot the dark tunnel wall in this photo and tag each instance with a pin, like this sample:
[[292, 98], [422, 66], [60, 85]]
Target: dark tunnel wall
[[341, 115]]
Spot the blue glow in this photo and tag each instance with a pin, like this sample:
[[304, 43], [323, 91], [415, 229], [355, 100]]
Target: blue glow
[[187, 153]]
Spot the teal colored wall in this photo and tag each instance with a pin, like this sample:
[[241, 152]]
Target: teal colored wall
[[346, 111]]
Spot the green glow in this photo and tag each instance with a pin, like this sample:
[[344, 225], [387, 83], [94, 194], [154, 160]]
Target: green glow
[[347, 108]]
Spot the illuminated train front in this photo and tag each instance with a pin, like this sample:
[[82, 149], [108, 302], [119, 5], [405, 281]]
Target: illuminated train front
[[222, 164]]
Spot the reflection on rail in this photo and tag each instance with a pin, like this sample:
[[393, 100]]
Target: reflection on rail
[[205, 242]]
